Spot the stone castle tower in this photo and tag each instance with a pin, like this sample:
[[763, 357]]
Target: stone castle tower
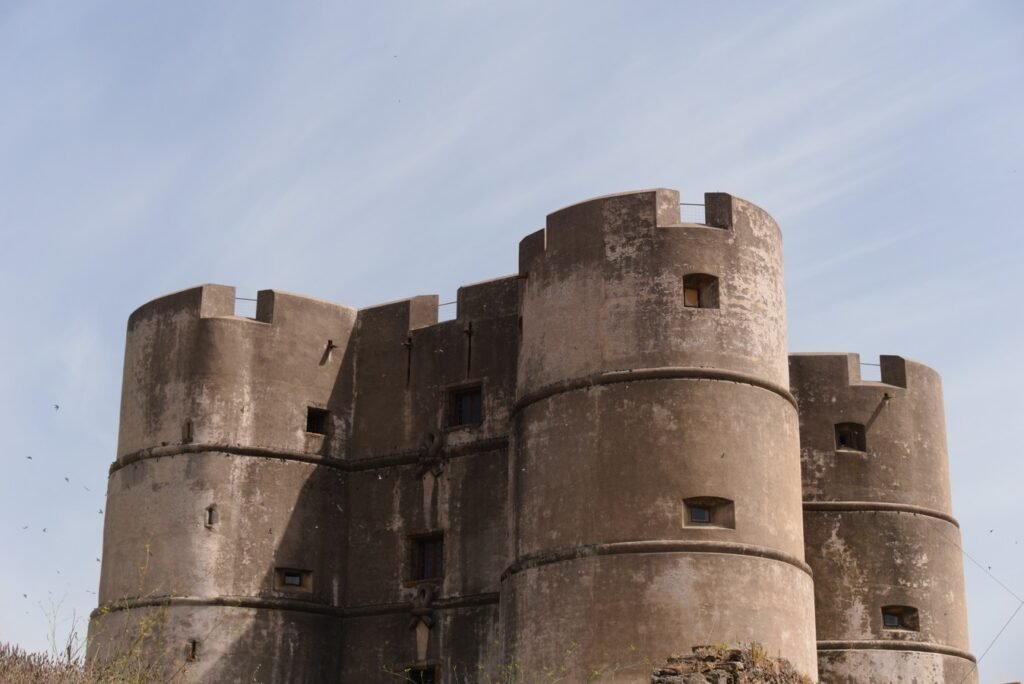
[[604, 459]]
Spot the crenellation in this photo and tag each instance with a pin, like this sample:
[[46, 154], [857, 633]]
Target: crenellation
[[494, 298], [323, 493], [718, 210]]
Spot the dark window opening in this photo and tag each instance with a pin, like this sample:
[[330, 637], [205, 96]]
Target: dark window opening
[[211, 516], [289, 579], [851, 436], [465, 406], [900, 617], [709, 511], [193, 651], [700, 291], [428, 557], [423, 675], [316, 420], [186, 431], [700, 514]]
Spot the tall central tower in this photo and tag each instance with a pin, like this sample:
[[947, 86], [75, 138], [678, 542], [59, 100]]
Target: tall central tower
[[655, 460]]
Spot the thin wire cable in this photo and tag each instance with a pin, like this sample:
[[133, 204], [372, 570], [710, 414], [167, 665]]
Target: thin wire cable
[[993, 642], [984, 569], [447, 304], [1020, 604], [246, 299]]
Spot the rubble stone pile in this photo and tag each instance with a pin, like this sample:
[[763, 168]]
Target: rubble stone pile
[[723, 665]]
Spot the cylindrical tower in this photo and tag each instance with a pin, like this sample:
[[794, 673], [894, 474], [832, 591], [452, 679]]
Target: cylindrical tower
[[881, 538], [654, 475], [224, 509]]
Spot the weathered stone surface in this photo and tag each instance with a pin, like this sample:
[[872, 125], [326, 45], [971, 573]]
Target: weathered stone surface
[[722, 665], [628, 484]]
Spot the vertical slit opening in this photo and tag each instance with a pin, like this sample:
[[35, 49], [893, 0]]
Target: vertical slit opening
[[408, 359], [469, 348]]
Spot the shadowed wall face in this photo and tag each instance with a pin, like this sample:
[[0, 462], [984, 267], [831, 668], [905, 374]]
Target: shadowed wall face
[[198, 518]]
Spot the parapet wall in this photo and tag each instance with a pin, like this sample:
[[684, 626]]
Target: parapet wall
[[605, 287], [905, 457], [195, 373], [408, 363]]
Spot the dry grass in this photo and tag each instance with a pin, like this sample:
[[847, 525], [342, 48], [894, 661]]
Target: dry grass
[[18, 666]]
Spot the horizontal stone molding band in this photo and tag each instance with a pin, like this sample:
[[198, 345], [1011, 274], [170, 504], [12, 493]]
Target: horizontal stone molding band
[[876, 506], [570, 553], [467, 601], [269, 603], [894, 645], [641, 374], [398, 458]]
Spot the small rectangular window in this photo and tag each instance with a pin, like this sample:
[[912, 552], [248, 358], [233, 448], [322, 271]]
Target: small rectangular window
[[316, 420], [700, 291], [900, 617], [291, 580], [193, 651], [465, 406], [709, 511], [851, 436], [211, 516], [428, 557], [700, 514]]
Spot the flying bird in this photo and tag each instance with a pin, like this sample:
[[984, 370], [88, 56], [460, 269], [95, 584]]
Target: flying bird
[[56, 407], [67, 480], [29, 457], [44, 529]]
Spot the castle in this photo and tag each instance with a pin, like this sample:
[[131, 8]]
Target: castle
[[604, 459]]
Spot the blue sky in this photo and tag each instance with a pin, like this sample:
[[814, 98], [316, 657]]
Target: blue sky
[[363, 152]]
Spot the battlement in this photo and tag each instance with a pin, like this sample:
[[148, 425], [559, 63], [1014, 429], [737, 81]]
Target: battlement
[[188, 357], [630, 214], [489, 299], [218, 301], [844, 370]]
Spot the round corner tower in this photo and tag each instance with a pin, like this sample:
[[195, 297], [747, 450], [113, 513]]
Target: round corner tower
[[878, 522], [654, 472], [223, 506]]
